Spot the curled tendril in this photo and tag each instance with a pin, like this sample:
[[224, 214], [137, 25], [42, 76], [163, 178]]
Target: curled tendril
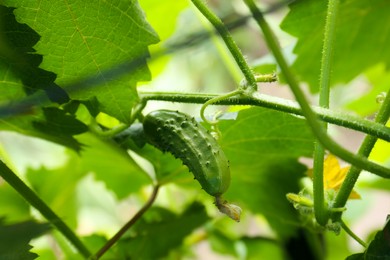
[[216, 100], [380, 98]]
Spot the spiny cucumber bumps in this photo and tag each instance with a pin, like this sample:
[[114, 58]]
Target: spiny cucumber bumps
[[180, 134]]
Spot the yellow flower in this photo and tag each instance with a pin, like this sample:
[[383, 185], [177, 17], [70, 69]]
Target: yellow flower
[[334, 175]]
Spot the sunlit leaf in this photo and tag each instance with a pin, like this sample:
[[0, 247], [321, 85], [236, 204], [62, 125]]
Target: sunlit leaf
[[263, 147], [81, 39], [359, 41]]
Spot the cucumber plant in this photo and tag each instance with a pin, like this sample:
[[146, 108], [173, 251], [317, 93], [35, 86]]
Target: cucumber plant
[[69, 74]]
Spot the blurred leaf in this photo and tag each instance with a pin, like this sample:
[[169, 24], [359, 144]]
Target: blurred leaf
[[159, 232], [156, 11], [13, 206], [15, 238], [80, 39], [263, 147], [366, 104], [336, 245], [112, 165], [260, 248], [221, 243], [58, 188], [356, 257], [360, 41]]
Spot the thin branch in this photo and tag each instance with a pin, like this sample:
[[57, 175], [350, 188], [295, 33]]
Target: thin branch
[[128, 225]]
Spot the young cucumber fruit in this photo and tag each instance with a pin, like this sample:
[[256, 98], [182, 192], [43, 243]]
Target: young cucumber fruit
[[186, 139]]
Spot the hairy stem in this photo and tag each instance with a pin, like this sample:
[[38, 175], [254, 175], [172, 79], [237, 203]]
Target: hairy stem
[[338, 118], [312, 119], [32, 198], [320, 209], [227, 38], [365, 149], [128, 225]]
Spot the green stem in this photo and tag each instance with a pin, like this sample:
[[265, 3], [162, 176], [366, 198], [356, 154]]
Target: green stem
[[278, 104], [311, 117], [321, 212], [320, 209], [128, 225], [32, 198], [228, 39], [365, 149], [96, 129], [214, 100], [351, 234]]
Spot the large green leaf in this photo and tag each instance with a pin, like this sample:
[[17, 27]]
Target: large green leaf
[[263, 147], [84, 38], [361, 40], [20, 76], [15, 238]]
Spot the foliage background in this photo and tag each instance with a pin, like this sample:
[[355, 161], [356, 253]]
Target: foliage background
[[96, 187]]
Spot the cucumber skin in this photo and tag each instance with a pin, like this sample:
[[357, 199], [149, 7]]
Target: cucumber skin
[[180, 134]]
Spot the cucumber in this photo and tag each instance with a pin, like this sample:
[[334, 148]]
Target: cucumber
[[180, 134]]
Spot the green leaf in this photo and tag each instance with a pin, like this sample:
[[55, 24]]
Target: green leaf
[[260, 248], [159, 232], [156, 11], [61, 197], [379, 248], [367, 104], [15, 238], [263, 147], [80, 39], [112, 165], [52, 124], [18, 59], [13, 206], [361, 39]]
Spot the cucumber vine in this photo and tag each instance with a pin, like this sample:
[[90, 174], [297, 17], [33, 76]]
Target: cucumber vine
[[199, 149]]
